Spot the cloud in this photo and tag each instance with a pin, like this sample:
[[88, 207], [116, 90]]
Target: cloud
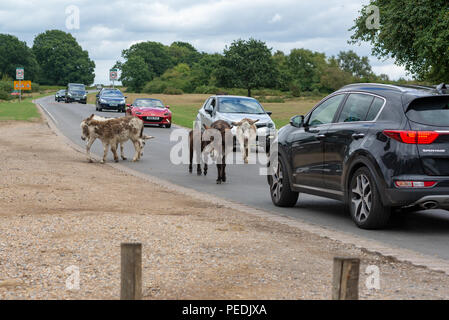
[[109, 26]]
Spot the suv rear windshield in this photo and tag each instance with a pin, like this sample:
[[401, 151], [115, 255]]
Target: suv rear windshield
[[432, 111]]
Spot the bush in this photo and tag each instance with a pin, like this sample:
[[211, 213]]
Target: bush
[[174, 91], [295, 90], [207, 89], [155, 86]]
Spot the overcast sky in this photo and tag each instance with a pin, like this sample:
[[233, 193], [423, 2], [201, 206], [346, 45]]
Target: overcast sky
[[106, 27]]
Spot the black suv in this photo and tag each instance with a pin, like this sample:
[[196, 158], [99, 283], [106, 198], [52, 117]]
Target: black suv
[[76, 92], [376, 147]]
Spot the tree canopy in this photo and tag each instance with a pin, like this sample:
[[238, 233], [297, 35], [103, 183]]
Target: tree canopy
[[246, 64], [414, 33], [61, 59], [15, 53]]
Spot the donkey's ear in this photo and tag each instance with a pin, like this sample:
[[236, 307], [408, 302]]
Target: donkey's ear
[[254, 121], [91, 117], [206, 127], [236, 123]]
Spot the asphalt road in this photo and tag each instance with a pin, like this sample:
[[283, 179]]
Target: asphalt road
[[426, 231]]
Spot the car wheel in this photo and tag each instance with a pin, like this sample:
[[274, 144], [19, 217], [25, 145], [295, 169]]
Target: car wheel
[[280, 190], [365, 205]]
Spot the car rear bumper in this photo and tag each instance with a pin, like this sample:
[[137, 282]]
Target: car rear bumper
[[426, 198]]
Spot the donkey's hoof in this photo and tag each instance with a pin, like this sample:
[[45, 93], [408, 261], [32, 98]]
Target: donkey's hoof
[[218, 181]]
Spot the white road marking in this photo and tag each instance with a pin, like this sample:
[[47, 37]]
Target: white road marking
[[51, 116]]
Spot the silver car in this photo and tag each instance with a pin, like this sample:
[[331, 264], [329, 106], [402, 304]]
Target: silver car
[[233, 109]]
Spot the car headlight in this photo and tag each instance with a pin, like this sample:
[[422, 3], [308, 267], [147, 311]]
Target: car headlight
[[270, 125], [69, 94], [102, 100], [139, 113], [166, 114]]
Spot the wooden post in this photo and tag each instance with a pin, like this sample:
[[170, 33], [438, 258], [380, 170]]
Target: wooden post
[[131, 271], [345, 283]]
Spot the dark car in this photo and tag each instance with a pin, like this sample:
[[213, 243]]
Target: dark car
[[111, 99], [151, 111], [76, 92], [60, 95], [376, 147]]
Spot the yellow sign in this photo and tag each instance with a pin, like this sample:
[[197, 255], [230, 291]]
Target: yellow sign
[[24, 85]]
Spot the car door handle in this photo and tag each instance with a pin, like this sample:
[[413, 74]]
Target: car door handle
[[356, 136], [313, 130], [321, 136]]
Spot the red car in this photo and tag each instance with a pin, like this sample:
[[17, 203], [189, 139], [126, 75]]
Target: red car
[[151, 111]]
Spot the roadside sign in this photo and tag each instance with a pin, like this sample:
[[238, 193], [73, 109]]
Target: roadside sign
[[22, 85], [15, 93], [20, 73], [113, 74]]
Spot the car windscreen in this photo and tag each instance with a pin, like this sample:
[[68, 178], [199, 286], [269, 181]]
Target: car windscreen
[[148, 103], [431, 111], [76, 87], [112, 93], [239, 105]]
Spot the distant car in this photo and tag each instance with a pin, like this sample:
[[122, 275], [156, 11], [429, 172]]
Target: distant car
[[99, 86], [76, 92], [110, 99], [233, 109], [375, 147], [60, 95], [151, 111]]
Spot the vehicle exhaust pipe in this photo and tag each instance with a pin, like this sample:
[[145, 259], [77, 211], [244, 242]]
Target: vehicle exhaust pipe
[[429, 205]]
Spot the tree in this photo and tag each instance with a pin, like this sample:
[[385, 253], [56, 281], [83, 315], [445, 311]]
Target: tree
[[246, 64], [415, 34], [155, 55], [333, 77], [203, 71], [15, 53], [284, 76], [135, 74], [183, 52], [350, 62], [61, 59], [306, 67]]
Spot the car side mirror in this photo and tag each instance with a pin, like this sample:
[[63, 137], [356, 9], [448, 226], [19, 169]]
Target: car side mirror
[[208, 109], [297, 121], [128, 105], [168, 107], [269, 113]]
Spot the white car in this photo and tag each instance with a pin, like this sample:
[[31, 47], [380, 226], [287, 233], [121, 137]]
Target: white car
[[233, 109]]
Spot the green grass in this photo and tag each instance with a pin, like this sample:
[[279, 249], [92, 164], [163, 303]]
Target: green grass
[[184, 115], [22, 111]]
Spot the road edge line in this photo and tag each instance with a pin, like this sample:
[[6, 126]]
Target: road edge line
[[372, 246]]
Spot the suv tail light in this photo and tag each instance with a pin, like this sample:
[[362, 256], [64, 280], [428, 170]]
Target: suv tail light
[[412, 137], [415, 184]]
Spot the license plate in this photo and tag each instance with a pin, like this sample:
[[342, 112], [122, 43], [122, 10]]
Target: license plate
[[113, 104], [152, 118]]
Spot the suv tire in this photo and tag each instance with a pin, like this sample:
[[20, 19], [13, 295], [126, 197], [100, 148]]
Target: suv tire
[[280, 190], [365, 205]]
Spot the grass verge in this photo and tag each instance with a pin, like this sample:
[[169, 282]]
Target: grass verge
[[23, 111]]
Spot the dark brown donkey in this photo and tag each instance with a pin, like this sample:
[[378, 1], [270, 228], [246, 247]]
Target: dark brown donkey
[[215, 148]]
